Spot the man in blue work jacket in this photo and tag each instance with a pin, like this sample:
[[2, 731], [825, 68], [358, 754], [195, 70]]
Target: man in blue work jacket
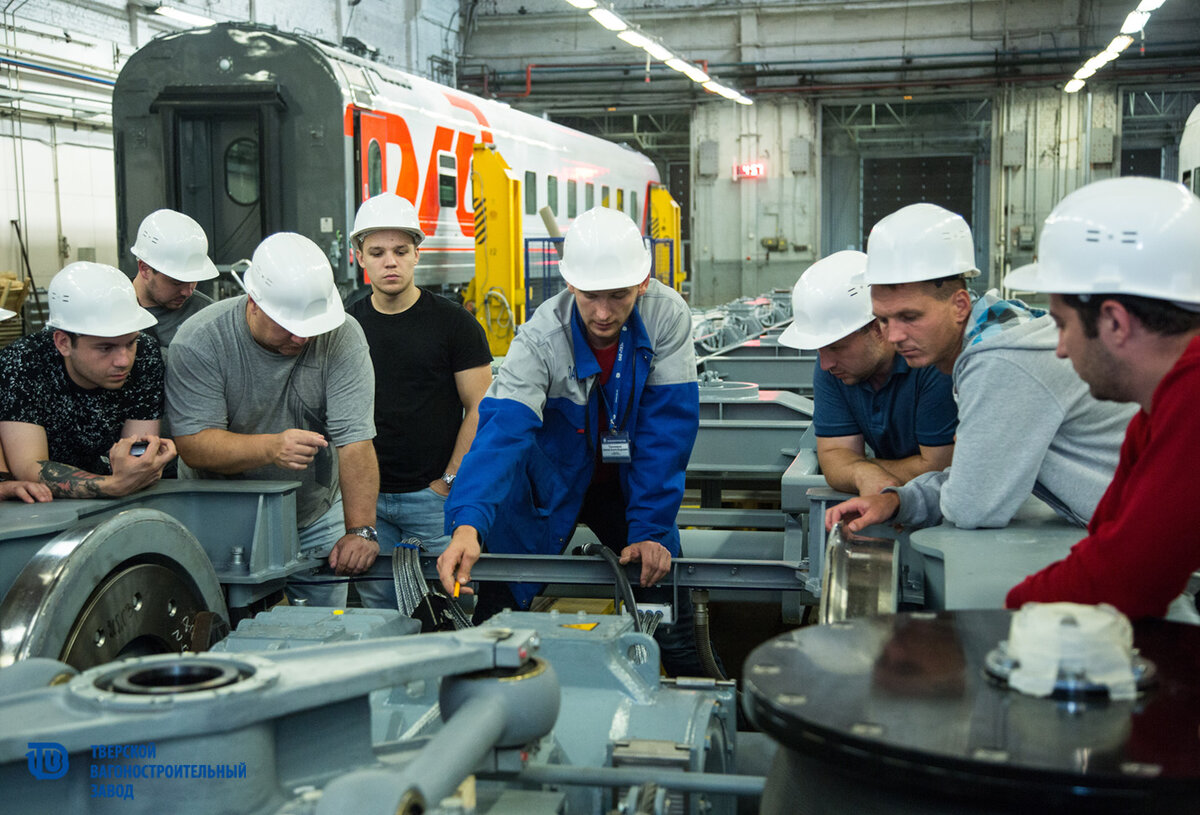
[[590, 420]]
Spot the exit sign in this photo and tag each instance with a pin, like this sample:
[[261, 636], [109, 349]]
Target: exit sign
[[749, 170]]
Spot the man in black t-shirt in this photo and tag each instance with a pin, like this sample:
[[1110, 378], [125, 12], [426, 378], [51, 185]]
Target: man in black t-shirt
[[79, 395], [432, 367]]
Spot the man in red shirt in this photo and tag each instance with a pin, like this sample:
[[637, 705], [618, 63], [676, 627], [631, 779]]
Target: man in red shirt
[[1121, 261]]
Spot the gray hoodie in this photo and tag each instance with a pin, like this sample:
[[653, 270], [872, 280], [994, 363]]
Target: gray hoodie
[[1027, 424]]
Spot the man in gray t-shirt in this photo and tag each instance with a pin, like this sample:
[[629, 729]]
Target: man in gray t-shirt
[[172, 253], [268, 386]]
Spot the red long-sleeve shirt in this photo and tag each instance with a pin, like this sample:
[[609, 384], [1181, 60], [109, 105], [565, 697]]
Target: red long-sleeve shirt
[[1144, 538]]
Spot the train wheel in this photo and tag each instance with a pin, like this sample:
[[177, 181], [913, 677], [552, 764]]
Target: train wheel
[[132, 584]]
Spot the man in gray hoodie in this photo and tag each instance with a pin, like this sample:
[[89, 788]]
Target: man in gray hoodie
[[1027, 424]]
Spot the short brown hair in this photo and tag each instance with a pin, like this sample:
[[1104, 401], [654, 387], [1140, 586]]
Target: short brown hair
[[1159, 316]]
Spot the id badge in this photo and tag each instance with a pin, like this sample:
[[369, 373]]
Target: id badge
[[614, 447]]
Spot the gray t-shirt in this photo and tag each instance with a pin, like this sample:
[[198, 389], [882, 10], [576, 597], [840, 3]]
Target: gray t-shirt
[[219, 377]]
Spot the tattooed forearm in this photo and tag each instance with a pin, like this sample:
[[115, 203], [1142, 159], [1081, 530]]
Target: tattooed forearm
[[66, 481]]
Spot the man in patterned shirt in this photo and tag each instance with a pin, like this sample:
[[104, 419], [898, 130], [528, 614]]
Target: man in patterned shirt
[[27, 491], [80, 406]]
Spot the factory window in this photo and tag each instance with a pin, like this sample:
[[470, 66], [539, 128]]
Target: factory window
[[621, 199], [604, 196], [241, 171], [552, 194], [589, 196], [530, 192], [374, 168], [447, 179], [572, 198], [634, 212]]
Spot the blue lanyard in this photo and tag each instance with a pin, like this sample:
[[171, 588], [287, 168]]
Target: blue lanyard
[[616, 400]]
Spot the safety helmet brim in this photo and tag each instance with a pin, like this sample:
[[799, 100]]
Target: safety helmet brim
[[198, 272], [796, 336], [417, 235], [5, 314], [1030, 278], [333, 317]]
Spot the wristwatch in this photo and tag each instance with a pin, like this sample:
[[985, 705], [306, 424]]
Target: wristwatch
[[449, 478], [367, 532]]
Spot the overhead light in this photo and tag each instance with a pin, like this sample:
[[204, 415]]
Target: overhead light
[[1119, 43], [657, 51], [1073, 86], [1135, 22], [687, 69], [720, 90], [1085, 72], [744, 100], [583, 4], [607, 19], [634, 38], [181, 16], [1150, 5]]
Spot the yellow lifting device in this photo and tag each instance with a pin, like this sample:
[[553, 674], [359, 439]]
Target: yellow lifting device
[[497, 293], [664, 223]]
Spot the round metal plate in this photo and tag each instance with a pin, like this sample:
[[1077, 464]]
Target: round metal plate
[[906, 698]]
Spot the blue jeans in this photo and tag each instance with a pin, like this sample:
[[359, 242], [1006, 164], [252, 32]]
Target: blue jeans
[[399, 516], [316, 541]]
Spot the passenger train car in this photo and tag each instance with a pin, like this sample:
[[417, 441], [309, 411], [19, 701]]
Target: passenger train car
[[1189, 152], [252, 131]]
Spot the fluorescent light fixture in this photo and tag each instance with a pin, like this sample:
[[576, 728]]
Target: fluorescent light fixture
[[677, 64], [719, 89], [744, 100], [634, 38], [1119, 43], [583, 4], [695, 74], [607, 19], [1135, 22], [657, 51], [1073, 86], [1085, 72], [180, 16], [1149, 5]]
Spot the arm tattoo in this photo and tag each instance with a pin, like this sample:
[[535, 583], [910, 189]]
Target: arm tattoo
[[66, 481]]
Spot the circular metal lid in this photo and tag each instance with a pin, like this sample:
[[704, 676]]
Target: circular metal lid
[[912, 691]]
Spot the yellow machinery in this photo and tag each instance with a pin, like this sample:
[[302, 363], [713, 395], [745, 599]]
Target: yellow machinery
[[665, 224], [497, 293]]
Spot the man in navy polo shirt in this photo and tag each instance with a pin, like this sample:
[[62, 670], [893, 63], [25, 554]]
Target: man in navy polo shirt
[[864, 391]]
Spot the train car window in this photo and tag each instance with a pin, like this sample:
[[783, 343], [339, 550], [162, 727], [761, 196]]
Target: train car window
[[447, 179], [241, 171], [589, 196], [634, 212], [530, 192], [552, 194], [621, 199], [604, 196], [572, 198], [374, 168]]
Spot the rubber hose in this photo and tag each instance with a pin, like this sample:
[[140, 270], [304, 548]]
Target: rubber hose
[[700, 627], [622, 580]]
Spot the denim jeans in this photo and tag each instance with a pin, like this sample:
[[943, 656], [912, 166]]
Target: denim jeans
[[316, 541], [399, 516]]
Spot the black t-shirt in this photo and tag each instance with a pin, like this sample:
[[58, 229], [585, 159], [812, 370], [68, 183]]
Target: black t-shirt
[[417, 410], [81, 425]]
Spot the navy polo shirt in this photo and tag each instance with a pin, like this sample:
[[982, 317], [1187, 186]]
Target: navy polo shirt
[[914, 407]]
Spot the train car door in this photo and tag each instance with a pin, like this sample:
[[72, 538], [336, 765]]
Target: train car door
[[370, 136], [225, 166]]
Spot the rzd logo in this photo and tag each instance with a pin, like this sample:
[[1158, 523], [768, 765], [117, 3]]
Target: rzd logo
[[47, 760]]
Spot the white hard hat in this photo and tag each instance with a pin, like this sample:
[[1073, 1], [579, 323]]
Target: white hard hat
[[829, 301], [173, 244], [604, 250], [919, 242], [387, 211], [5, 314], [96, 300], [292, 282], [1137, 236]]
